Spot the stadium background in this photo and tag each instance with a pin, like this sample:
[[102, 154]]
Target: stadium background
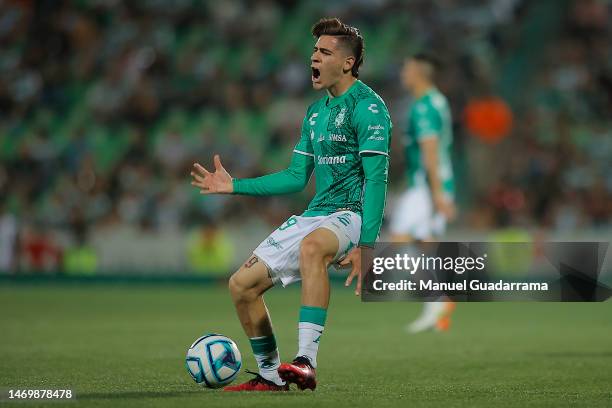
[[107, 253], [109, 259], [106, 104]]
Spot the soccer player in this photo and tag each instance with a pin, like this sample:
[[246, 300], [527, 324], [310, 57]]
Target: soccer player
[[345, 140], [425, 207]]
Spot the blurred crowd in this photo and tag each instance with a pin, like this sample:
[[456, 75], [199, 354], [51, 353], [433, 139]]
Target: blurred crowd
[[105, 105]]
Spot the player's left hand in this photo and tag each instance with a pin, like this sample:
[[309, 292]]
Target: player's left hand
[[354, 258]]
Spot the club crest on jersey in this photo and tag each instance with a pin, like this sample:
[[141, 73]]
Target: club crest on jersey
[[340, 118]]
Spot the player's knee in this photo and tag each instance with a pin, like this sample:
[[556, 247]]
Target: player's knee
[[240, 290], [237, 288], [311, 249], [232, 285]]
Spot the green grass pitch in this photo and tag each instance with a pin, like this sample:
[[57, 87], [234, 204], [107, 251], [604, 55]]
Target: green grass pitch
[[124, 345]]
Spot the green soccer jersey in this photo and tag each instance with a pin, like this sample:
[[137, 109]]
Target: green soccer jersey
[[336, 132], [430, 116], [345, 140]]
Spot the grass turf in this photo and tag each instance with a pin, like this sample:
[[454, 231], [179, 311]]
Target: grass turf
[[124, 346]]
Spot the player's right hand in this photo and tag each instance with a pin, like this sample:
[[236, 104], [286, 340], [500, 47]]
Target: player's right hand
[[219, 182], [445, 206]]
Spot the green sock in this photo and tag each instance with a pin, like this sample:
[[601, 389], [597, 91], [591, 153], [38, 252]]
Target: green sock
[[266, 355]]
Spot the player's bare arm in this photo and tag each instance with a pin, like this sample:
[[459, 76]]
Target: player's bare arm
[[429, 147]]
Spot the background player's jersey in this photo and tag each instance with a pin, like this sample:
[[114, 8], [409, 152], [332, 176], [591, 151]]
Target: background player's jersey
[[430, 116], [336, 132]]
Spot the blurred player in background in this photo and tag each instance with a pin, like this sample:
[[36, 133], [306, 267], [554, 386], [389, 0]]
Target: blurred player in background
[[425, 207], [345, 139]]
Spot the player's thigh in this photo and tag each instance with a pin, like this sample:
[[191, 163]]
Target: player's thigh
[[346, 226], [321, 243], [253, 277]]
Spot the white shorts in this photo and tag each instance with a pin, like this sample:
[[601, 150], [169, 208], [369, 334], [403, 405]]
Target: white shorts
[[414, 215], [281, 250]]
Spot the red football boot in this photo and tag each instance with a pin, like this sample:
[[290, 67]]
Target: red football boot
[[299, 372], [257, 384]]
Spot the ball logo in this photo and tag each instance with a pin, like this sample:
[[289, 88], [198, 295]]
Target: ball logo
[[227, 360]]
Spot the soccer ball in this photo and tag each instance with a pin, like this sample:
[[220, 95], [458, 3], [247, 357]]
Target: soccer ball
[[213, 360]]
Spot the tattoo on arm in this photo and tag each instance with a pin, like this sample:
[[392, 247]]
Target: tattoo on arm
[[252, 261]]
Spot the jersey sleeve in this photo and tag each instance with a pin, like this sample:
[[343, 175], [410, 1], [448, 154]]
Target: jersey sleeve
[[373, 126], [427, 121], [304, 145], [376, 170], [292, 179]]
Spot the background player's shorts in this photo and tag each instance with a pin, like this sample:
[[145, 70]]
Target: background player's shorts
[[281, 250], [414, 215]]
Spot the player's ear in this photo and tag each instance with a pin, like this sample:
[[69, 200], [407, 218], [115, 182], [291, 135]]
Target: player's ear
[[348, 64]]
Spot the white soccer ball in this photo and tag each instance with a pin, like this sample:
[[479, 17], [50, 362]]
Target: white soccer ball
[[213, 360]]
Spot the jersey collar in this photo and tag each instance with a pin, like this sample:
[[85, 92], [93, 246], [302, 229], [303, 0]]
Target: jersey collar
[[331, 102], [427, 93]]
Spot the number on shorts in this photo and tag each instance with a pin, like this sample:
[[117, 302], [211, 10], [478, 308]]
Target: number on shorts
[[290, 222]]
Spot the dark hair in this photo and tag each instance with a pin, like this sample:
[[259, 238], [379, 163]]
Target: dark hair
[[349, 36], [430, 59]]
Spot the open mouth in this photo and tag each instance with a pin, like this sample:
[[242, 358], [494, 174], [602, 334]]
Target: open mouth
[[315, 73]]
